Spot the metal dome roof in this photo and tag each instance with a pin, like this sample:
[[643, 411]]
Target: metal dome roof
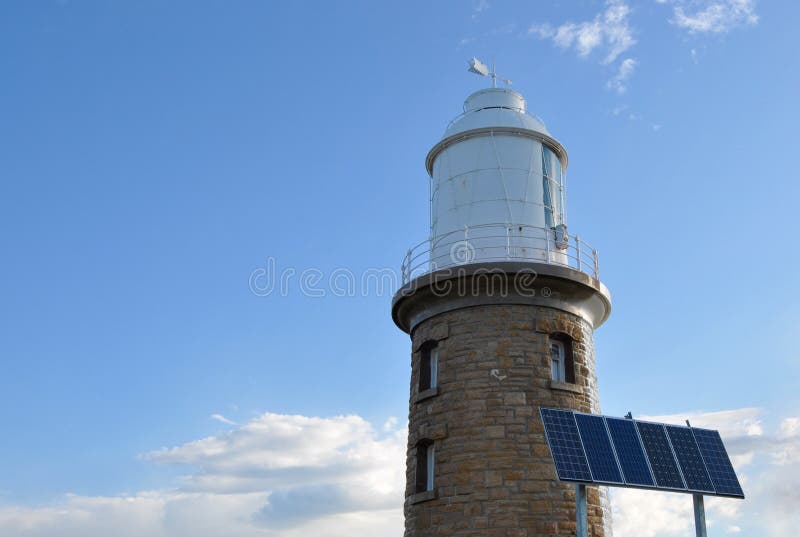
[[495, 110], [494, 107]]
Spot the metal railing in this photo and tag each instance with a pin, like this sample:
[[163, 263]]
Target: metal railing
[[486, 243]]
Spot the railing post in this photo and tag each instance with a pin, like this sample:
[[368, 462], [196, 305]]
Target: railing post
[[515, 246], [547, 244]]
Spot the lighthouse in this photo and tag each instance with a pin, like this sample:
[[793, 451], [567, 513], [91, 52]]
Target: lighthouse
[[500, 301]]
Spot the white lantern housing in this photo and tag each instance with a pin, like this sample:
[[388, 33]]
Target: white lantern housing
[[497, 185]]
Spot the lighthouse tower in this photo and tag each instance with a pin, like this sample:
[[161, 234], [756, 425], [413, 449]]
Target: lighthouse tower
[[501, 302]]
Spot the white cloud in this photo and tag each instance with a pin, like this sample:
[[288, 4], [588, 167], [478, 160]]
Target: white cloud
[[729, 423], [177, 514], [542, 31], [390, 424], [777, 486], [479, 7], [619, 82], [790, 427], [640, 513], [464, 41], [712, 16], [617, 110], [770, 459], [294, 476], [609, 31], [277, 475], [222, 419], [279, 452]]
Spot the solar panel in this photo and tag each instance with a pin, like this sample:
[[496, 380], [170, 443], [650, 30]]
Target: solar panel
[[630, 452], [565, 445], [599, 452], [659, 452], [719, 465], [589, 448], [691, 462]]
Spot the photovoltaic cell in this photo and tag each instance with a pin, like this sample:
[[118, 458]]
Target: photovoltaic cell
[[599, 452], [719, 465], [689, 458], [630, 452], [659, 452], [565, 445], [589, 448]]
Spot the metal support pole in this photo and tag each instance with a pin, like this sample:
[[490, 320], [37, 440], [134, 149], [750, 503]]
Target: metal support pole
[[582, 511], [699, 515]]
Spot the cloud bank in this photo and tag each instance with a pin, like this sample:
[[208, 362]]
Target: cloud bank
[[293, 476], [765, 463], [277, 475]]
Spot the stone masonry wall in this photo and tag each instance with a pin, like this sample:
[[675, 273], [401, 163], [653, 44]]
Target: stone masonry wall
[[494, 475]]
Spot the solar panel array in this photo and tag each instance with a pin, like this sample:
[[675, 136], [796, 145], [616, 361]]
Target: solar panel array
[[589, 448]]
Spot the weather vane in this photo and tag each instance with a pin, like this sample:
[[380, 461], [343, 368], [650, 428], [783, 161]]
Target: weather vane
[[479, 68]]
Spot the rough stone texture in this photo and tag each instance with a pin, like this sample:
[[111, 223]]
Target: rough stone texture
[[494, 475]]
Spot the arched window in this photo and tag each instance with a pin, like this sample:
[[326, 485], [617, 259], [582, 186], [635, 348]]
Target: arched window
[[426, 460], [562, 362], [429, 366]]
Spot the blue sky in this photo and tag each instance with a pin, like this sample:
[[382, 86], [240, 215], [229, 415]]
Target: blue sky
[[153, 155]]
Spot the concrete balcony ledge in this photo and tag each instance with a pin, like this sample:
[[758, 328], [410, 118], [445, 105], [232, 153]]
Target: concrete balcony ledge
[[501, 283], [426, 394], [420, 497], [565, 386]]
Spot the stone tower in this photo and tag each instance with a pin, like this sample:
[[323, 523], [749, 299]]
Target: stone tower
[[501, 303]]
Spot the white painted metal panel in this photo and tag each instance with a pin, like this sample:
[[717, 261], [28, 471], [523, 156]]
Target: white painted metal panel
[[488, 191]]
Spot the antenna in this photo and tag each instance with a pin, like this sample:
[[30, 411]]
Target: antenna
[[479, 68]]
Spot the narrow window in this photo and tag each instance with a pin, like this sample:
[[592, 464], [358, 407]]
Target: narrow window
[[426, 460], [562, 363], [434, 366], [431, 456], [557, 360], [429, 366]]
